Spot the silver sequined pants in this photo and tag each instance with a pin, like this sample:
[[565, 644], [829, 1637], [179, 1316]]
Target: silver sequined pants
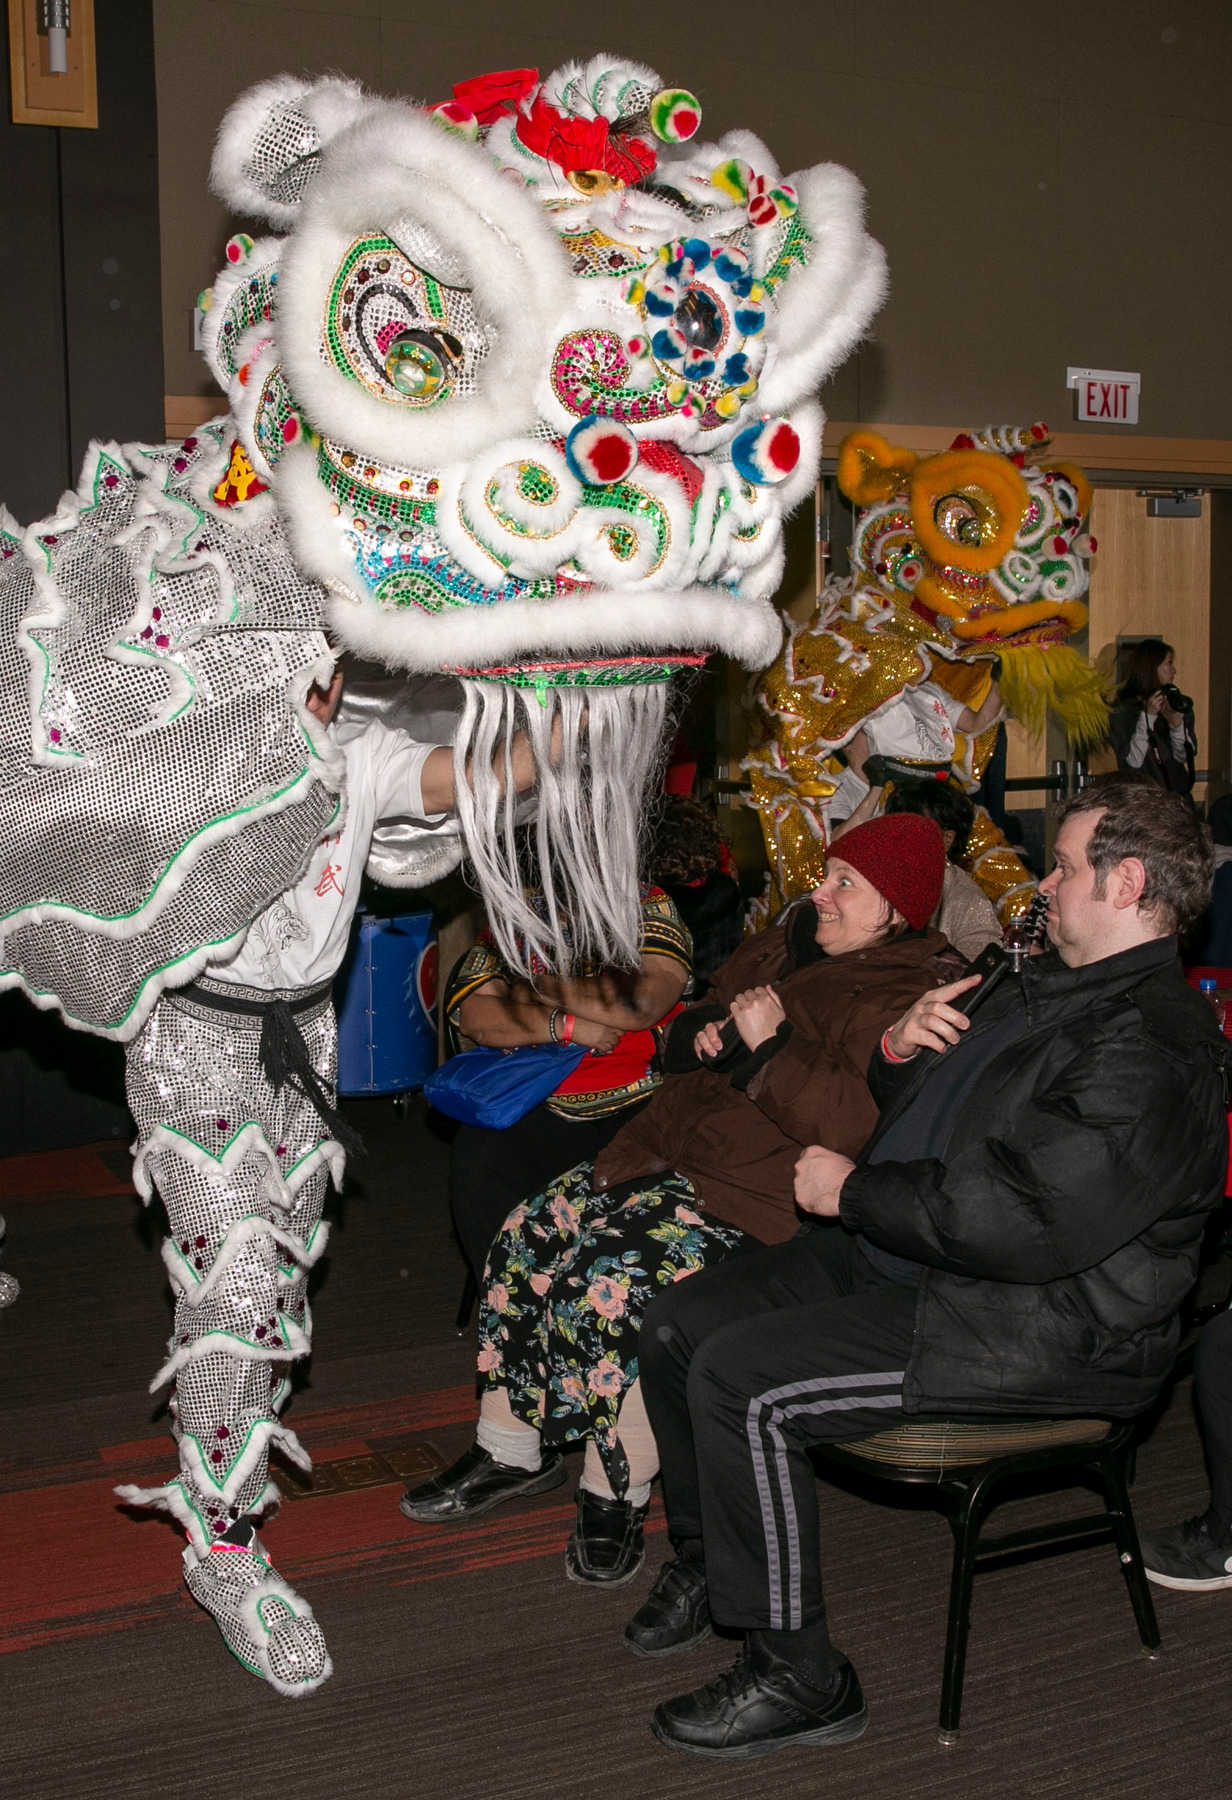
[[242, 1172]]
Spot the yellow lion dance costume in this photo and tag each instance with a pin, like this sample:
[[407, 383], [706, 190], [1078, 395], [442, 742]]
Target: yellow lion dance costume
[[968, 571]]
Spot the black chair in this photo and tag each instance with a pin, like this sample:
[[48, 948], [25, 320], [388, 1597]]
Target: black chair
[[965, 1464]]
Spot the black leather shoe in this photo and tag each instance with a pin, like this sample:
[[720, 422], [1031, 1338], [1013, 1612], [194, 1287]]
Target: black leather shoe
[[676, 1615], [475, 1484], [606, 1548], [760, 1706]]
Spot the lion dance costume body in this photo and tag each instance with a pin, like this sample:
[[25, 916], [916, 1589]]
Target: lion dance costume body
[[519, 397], [967, 566]]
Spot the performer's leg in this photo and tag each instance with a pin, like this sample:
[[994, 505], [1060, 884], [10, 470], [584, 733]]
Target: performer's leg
[[245, 1229]]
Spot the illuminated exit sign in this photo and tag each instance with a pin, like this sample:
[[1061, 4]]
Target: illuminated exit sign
[[1108, 395]]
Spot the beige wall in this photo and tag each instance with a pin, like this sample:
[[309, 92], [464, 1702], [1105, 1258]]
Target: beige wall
[[1049, 177]]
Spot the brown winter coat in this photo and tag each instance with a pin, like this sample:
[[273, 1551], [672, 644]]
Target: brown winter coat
[[740, 1149]]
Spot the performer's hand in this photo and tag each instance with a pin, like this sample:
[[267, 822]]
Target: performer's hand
[[758, 1015], [322, 702], [708, 1043], [1155, 703], [932, 1023], [820, 1175]]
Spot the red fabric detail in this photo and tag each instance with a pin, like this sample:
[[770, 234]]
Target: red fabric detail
[[680, 776], [658, 454], [964, 441], [903, 856], [628, 1062], [582, 143], [727, 862], [490, 96]]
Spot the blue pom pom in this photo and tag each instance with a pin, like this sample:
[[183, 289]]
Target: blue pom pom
[[697, 250], [749, 320], [736, 369], [658, 304], [666, 347]]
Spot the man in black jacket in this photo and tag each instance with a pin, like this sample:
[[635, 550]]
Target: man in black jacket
[[1017, 1238]]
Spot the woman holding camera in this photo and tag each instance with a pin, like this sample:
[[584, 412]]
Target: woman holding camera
[[1152, 727]]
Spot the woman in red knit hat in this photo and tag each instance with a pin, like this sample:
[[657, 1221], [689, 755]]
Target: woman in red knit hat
[[772, 1061]]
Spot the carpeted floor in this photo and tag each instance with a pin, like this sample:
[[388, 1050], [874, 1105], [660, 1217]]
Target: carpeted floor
[[468, 1668]]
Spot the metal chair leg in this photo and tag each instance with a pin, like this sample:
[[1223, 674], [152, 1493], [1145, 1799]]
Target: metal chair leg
[[470, 1293], [1126, 1534], [966, 1526]]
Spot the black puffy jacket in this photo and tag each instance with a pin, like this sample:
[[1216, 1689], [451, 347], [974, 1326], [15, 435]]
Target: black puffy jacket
[[1060, 1228]]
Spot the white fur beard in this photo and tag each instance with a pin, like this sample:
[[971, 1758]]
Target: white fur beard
[[590, 801]]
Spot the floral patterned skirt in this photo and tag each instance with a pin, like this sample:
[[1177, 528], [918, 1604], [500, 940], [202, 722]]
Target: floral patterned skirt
[[567, 1282]]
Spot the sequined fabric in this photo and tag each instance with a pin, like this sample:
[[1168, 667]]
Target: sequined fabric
[[162, 787], [242, 1172]]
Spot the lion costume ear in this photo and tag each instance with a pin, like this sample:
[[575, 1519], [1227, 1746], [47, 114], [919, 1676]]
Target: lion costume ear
[[870, 470], [270, 142]]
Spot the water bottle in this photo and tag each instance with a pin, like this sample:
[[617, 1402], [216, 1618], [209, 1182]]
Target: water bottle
[[1210, 988]]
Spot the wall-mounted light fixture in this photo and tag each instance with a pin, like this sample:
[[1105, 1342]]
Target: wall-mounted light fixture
[[51, 59]]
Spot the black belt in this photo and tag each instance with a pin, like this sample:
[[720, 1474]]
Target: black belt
[[282, 1052]]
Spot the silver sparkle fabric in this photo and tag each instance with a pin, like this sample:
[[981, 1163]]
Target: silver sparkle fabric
[[158, 787], [242, 1172]]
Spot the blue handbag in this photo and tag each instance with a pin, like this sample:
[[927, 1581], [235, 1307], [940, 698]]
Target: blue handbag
[[496, 1088]]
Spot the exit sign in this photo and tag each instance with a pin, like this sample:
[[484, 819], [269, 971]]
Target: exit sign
[[1108, 395]]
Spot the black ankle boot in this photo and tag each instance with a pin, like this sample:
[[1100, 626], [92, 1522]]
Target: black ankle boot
[[606, 1548], [676, 1615]]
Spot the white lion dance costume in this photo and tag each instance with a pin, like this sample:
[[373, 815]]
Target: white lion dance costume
[[521, 397]]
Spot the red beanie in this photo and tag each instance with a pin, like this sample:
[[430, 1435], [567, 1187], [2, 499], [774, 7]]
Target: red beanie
[[903, 855]]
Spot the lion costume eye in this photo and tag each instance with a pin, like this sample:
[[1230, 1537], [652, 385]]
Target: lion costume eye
[[406, 335], [699, 320], [420, 363], [958, 517]]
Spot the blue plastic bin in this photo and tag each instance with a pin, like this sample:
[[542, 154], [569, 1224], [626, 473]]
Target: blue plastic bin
[[387, 1010]]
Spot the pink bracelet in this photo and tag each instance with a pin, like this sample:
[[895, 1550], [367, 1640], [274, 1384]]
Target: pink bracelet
[[888, 1053], [566, 1030]]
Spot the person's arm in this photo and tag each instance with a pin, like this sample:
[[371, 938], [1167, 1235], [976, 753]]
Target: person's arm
[[501, 1020], [867, 809], [1110, 1146], [631, 1002], [436, 777], [972, 723]]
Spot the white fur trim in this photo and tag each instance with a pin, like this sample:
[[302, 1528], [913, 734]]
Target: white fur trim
[[265, 1435], [263, 257], [225, 1343], [195, 1289], [397, 166], [823, 310], [172, 1499], [330, 105], [550, 534], [281, 1189]]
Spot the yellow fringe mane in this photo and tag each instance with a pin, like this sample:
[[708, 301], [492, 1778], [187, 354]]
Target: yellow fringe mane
[[1035, 677]]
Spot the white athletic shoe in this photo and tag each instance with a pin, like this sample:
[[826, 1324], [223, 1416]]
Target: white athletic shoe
[[264, 1623]]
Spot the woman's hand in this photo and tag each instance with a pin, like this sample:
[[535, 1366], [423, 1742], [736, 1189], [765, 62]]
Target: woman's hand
[[708, 1042], [820, 1175], [932, 1023], [599, 1038], [1155, 704], [758, 1015]]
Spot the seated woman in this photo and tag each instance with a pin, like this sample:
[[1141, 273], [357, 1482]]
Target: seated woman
[[618, 1015], [966, 914], [774, 1060]]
